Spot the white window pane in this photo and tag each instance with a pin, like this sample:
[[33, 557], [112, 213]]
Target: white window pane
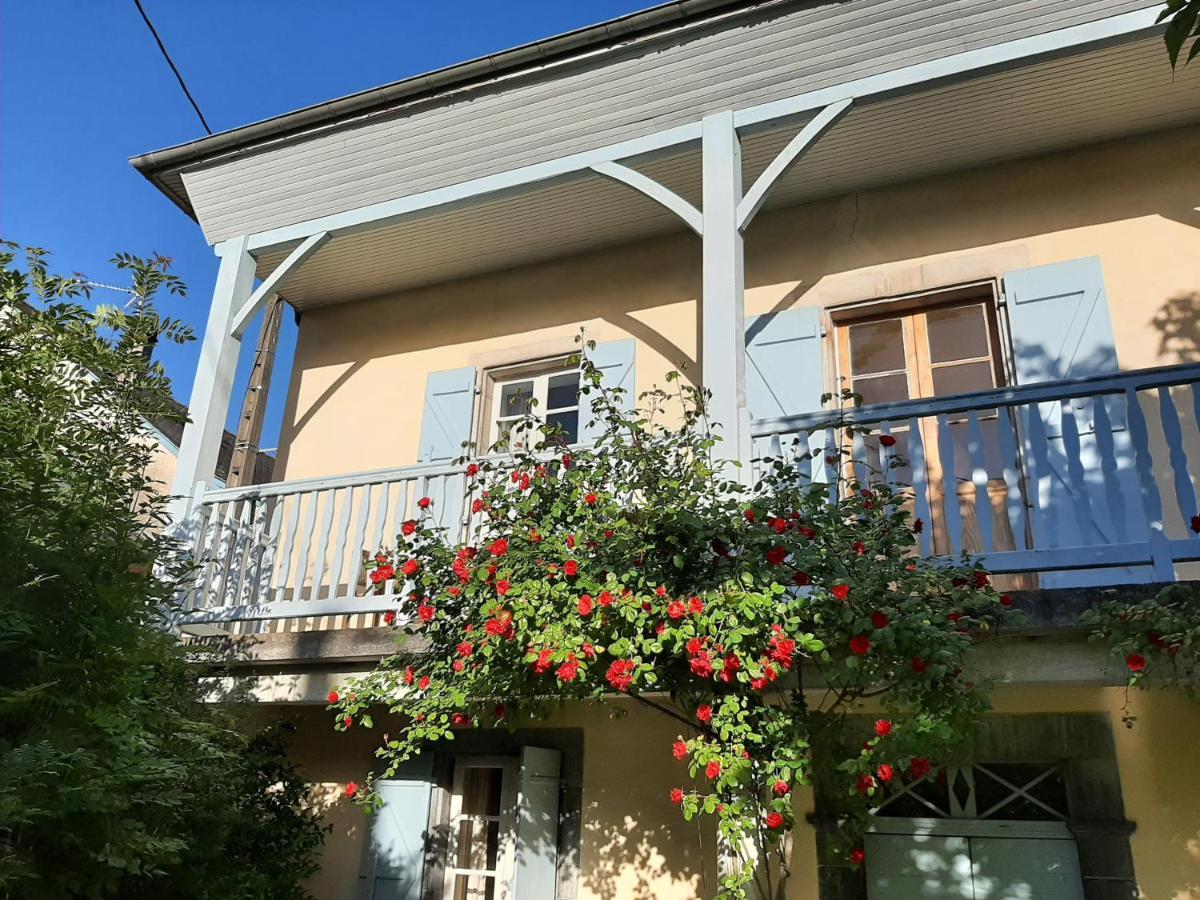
[[478, 844], [474, 887], [568, 422], [515, 398], [563, 391]]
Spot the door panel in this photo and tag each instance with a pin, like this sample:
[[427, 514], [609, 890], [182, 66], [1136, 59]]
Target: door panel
[[907, 867], [1008, 869]]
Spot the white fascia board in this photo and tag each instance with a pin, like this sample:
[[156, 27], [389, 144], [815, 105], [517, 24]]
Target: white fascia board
[[873, 87]]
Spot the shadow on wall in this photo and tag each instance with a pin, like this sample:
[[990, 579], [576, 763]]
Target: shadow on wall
[[627, 858], [1178, 325]]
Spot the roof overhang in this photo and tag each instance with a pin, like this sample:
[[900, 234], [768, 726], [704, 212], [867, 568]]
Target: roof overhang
[[1100, 92]]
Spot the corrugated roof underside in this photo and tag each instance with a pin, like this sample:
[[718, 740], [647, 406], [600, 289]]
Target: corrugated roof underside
[[630, 92], [1054, 105]]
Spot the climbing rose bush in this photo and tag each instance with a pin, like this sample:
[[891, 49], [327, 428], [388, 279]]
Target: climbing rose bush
[[638, 571]]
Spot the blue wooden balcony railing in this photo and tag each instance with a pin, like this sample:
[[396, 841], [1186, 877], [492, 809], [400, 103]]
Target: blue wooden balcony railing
[[1063, 482]]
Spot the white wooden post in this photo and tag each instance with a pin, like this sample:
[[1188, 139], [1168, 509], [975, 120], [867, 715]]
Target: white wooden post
[[213, 387], [723, 316]]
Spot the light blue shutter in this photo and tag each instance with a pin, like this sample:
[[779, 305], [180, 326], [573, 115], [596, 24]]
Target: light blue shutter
[[1059, 321], [448, 415], [538, 785], [785, 374], [615, 360], [394, 856]]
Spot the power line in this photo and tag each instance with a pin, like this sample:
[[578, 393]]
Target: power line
[[171, 63]]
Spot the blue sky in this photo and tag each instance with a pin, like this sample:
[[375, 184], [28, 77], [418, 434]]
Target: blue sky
[[83, 88]]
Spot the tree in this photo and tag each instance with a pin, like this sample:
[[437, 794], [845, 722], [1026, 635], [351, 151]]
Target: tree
[[636, 569], [1184, 16], [117, 777]]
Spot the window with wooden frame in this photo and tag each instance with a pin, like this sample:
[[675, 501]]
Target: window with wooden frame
[[932, 345], [547, 388], [481, 845]]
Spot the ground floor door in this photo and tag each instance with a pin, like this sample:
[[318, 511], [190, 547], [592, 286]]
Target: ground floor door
[[976, 867]]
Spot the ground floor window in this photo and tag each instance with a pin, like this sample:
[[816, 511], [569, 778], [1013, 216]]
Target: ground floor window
[[482, 833]]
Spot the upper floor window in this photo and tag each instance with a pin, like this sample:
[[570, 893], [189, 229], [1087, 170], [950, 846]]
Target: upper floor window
[[545, 389]]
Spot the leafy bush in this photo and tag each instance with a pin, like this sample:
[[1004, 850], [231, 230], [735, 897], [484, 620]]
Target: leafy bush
[[117, 779], [757, 618]]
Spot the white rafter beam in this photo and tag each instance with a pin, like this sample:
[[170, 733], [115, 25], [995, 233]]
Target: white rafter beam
[[655, 191], [788, 157], [272, 283]]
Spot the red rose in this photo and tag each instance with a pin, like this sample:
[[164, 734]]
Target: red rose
[[498, 547], [590, 499], [840, 592], [333, 697], [569, 670], [781, 650], [695, 606], [472, 470], [860, 645], [566, 460], [477, 505], [776, 555], [459, 718], [920, 767], [585, 605], [351, 791], [499, 711], [779, 526], [887, 440], [885, 773], [411, 567], [502, 587], [1006, 600], [389, 617], [605, 599], [918, 526], [749, 514], [348, 722], [883, 728], [919, 665], [676, 796], [775, 820], [858, 856], [981, 579], [570, 568], [465, 649], [954, 616], [679, 749], [408, 528], [801, 579], [860, 548], [424, 683], [1136, 662], [713, 770], [676, 610], [866, 783], [781, 788], [704, 713], [426, 612], [382, 574], [409, 675], [701, 665], [620, 674], [424, 503]]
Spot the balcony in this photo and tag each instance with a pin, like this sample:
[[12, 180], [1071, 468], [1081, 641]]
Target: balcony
[[1072, 483]]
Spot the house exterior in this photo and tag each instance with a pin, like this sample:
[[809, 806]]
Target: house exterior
[[979, 215]]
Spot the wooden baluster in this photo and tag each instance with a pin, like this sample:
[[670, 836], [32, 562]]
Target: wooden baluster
[[858, 455], [264, 589], [339, 550], [979, 476], [886, 455], [1185, 494], [1046, 516], [953, 515], [403, 510], [305, 538], [1160, 548], [1114, 499], [385, 507], [920, 476], [289, 546], [229, 540], [321, 545], [207, 537], [830, 469], [254, 552], [1012, 477], [1080, 501], [358, 543]]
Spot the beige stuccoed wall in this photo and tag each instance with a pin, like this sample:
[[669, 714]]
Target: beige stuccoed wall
[[635, 846], [359, 373]]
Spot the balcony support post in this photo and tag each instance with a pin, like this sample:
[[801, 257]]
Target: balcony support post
[[723, 317], [213, 387]]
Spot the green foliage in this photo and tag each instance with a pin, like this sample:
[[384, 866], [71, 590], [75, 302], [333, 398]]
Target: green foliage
[[1158, 640], [1184, 16], [634, 569], [117, 779]]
